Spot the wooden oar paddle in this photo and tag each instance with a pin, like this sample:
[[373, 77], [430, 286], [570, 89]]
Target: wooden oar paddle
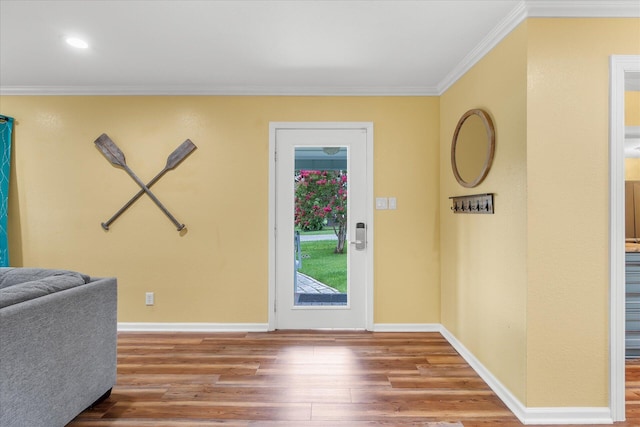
[[174, 159], [116, 157]]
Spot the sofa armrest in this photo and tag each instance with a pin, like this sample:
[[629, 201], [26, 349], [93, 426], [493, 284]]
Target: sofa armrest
[[58, 354]]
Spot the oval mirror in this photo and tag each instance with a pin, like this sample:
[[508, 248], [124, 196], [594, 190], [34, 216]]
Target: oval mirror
[[472, 147]]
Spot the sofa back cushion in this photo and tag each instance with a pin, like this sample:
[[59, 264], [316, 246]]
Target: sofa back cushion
[[23, 284]]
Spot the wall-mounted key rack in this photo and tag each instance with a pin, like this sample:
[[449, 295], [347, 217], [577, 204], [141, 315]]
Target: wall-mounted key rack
[[473, 204]]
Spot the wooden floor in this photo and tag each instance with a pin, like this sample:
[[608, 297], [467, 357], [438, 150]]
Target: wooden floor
[[303, 379]]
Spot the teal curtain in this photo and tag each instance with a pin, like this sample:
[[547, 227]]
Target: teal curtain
[[6, 127]]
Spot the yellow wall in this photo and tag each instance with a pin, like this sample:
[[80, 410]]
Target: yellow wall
[[632, 118], [484, 256], [527, 289], [62, 189], [632, 169], [632, 108], [568, 209]]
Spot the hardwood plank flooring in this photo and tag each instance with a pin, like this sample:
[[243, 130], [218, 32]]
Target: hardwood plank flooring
[[303, 379]]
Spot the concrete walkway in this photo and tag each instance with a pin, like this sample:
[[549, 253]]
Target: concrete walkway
[[309, 285], [310, 292]]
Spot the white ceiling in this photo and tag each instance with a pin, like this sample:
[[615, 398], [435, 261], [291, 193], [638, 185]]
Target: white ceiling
[[364, 47]]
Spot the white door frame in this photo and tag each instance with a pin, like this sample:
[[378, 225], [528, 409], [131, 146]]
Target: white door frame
[[273, 127], [619, 66]]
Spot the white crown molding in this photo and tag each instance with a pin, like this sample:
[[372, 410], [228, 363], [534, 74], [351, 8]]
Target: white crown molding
[[221, 91], [537, 9], [508, 24], [523, 10], [583, 8]]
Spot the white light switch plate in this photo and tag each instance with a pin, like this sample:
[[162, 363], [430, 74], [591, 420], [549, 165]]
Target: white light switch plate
[[393, 203], [382, 203]]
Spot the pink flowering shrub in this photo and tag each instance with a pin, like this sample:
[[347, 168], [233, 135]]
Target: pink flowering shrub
[[322, 196]]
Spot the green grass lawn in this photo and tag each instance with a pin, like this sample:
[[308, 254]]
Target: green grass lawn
[[319, 262]]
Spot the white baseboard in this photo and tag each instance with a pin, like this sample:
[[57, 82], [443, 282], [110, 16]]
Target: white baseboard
[[407, 327], [540, 415], [192, 327], [545, 416], [568, 415], [257, 327]]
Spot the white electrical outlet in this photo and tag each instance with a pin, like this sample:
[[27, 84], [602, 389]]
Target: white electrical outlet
[[149, 298]]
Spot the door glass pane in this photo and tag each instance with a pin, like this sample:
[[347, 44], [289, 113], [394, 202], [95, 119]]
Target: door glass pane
[[320, 220]]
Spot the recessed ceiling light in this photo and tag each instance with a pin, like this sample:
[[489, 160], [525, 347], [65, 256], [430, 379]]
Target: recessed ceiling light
[[77, 43]]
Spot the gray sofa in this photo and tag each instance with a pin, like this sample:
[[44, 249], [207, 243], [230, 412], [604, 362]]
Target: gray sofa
[[58, 333]]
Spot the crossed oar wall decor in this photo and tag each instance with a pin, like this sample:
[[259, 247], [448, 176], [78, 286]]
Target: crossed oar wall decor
[[116, 157]]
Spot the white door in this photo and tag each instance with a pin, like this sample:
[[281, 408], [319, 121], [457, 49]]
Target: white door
[[325, 154]]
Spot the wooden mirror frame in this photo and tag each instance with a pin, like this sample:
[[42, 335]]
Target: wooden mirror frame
[[491, 144]]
